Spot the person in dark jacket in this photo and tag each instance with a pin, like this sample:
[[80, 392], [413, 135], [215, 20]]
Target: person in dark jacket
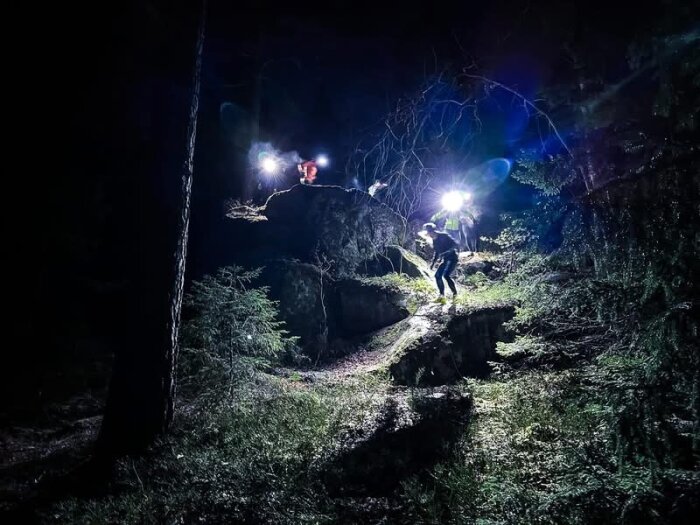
[[445, 248]]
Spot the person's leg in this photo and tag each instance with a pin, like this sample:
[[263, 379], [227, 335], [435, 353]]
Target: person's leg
[[469, 235], [438, 277], [450, 265]]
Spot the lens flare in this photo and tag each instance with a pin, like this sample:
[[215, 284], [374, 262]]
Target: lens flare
[[452, 201], [322, 160], [483, 179]]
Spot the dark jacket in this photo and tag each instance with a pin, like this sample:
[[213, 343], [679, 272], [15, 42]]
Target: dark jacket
[[444, 246]]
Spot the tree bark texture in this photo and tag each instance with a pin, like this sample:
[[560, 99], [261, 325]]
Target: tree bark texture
[[165, 92]]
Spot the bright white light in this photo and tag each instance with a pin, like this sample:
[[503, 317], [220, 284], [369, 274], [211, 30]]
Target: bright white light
[[322, 160], [452, 201], [269, 165], [467, 196]]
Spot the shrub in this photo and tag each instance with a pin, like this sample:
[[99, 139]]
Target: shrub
[[230, 328]]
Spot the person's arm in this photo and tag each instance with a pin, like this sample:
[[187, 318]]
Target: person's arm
[[454, 243], [435, 255]]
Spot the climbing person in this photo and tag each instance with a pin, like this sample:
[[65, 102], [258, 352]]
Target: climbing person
[[460, 224], [445, 248], [467, 230], [451, 222], [308, 170]]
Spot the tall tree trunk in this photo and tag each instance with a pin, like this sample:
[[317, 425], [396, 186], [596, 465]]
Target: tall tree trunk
[[141, 397]]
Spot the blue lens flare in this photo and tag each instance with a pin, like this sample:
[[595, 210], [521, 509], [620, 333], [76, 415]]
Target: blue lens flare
[[487, 176]]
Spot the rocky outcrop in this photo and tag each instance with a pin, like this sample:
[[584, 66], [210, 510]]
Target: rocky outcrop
[[319, 309], [474, 335], [312, 240], [472, 267], [441, 344], [395, 259], [471, 263], [361, 307], [301, 292], [339, 227]]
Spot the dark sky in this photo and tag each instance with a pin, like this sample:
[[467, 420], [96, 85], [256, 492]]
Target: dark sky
[[327, 74], [331, 72]]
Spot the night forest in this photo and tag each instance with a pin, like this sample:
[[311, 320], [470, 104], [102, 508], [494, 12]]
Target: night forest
[[352, 263]]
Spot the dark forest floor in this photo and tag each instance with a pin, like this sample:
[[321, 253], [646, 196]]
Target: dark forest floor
[[50, 423], [341, 443], [48, 447]]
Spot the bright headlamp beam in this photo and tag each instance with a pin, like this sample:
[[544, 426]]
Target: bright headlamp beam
[[269, 165], [452, 201], [322, 160]]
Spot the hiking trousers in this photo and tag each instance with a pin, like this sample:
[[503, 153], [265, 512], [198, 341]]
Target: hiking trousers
[[449, 263]]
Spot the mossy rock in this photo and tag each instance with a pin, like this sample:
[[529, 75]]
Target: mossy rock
[[448, 343]]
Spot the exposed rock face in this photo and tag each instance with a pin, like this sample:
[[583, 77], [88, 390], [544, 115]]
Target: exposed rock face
[[443, 344], [343, 227], [301, 292], [472, 267], [319, 309], [396, 259], [471, 263], [362, 307], [474, 336], [311, 241]]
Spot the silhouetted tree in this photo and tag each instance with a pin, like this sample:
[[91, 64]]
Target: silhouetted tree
[[140, 403]]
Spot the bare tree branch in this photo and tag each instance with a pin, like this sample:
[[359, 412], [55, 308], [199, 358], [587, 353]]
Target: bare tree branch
[[528, 104], [424, 133]]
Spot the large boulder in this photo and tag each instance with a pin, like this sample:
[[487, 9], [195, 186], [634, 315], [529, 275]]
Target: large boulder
[[472, 267], [319, 309], [442, 344], [312, 241], [362, 307], [319, 224], [472, 263], [474, 334], [301, 290], [395, 259]]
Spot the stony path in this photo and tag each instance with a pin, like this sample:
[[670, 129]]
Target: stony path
[[369, 361]]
